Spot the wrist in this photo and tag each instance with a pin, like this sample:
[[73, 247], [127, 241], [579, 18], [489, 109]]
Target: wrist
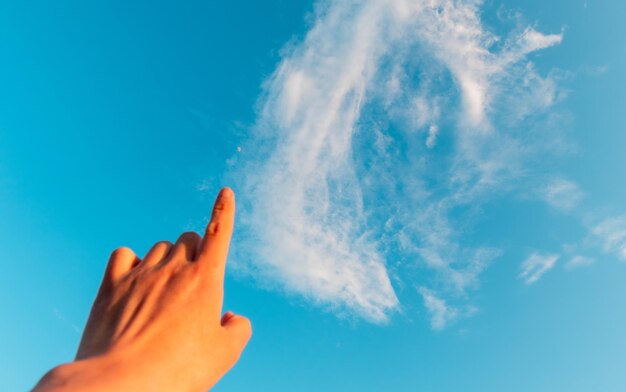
[[92, 374], [110, 372]]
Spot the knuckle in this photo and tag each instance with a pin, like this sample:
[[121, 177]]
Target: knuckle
[[193, 234], [189, 235], [219, 206], [123, 250], [213, 228]]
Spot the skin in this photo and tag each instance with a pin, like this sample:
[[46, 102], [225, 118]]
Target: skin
[[156, 323]]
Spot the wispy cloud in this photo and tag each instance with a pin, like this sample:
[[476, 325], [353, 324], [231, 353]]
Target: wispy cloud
[[562, 194], [579, 261], [535, 266], [611, 234], [440, 312], [356, 173]]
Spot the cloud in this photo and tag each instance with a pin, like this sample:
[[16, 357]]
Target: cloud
[[535, 266], [440, 313], [354, 175], [562, 194], [579, 261], [611, 234], [433, 130], [593, 70]]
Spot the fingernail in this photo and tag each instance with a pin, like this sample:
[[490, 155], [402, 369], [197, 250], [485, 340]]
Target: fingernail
[[226, 193]]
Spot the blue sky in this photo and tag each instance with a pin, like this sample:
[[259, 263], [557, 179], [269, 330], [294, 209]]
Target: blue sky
[[430, 193]]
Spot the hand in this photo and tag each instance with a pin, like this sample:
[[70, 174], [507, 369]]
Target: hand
[[156, 323]]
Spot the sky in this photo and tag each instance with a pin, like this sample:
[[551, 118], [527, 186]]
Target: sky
[[430, 192]]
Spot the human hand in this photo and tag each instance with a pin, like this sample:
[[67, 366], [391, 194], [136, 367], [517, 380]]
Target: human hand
[[156, 323]]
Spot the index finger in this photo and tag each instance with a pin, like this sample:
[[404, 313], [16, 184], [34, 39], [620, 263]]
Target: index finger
[[214, 246]]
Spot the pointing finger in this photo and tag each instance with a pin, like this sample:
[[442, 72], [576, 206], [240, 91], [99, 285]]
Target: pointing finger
[[214, 247]]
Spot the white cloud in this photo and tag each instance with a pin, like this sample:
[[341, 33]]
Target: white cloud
[[338, 195], [562, 194], [579, 261], [433, 130], [439, 311], [535, 266], [611, 233], [204, 185], [593, 70]]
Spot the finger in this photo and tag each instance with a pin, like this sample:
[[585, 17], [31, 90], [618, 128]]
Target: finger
[[227, 316], [238, 327], [187, 246], [158, 252], [121, 261], [214, 247]]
